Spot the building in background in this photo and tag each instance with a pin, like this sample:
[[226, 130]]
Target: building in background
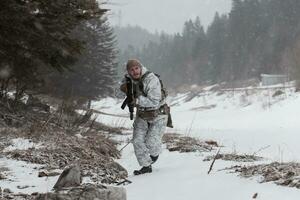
[[272, 79]]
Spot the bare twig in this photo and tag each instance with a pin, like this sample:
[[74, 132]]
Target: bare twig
[[125, 146], [212, 163], [44, 125], [91, 125], [261, 149], [125, 181]]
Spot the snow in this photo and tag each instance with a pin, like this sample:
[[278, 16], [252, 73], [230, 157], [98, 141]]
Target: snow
[[245, 120], [245, 128], [21, 174], [21, 144], [180, 176]]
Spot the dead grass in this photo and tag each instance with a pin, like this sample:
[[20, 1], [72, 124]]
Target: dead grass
[[65, 138], [284, 174], [235, 157], [177, 142]]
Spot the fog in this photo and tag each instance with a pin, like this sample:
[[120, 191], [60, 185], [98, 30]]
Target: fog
[[164, 15]]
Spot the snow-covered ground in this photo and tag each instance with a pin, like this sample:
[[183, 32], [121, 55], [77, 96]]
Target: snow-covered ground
[[23, 177], [183, 176], [247, 120], [21, 144]]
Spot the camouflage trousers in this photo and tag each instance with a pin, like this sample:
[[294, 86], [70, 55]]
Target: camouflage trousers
[[147, 138]]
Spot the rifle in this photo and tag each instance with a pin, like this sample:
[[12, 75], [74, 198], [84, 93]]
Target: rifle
[[129, 101]]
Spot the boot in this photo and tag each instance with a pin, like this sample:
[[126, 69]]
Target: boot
[[154, 158], [143, 170]]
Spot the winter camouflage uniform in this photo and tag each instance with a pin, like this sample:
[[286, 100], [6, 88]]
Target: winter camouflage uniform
[[147, 132]]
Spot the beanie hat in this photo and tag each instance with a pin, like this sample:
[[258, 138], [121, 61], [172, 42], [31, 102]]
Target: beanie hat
[[133, 62]]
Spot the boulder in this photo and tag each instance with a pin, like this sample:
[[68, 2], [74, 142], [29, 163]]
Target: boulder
[[86, 192], [70, 177]]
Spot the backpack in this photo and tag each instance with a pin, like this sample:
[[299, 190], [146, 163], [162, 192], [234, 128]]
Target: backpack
[[164, 92]]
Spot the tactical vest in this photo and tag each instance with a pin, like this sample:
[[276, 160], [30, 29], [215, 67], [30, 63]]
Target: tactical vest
[[164, 109], [164, 92]]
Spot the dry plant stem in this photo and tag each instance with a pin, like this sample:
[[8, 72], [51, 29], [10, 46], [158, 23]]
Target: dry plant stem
[[125, 146], [212, 163], [190, 128], [44, 125], [261, 149], [124, 181], [61, 113], [91, 125]]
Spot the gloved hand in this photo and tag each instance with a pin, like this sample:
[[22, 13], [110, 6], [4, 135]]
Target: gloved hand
[[123, 88]]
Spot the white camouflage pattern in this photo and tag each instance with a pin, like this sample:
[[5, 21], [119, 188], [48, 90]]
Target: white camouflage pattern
[[152, 88], [147, 138], [147, 134]]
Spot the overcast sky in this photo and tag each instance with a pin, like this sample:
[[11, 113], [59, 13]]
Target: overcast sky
[[165, 15]]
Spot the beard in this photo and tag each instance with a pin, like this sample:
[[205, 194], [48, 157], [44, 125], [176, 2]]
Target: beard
[[136, 77]]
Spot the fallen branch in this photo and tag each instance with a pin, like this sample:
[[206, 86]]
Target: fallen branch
[[212, 163]]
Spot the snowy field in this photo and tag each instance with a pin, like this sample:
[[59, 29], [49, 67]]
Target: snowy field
[[244, 121]]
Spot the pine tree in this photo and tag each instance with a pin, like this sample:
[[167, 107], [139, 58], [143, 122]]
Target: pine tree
[[35, 34], [252, 39], [217, 34], [94, 74]]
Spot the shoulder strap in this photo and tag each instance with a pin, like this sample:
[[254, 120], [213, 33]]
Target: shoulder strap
[[141, 86], [145, 75]]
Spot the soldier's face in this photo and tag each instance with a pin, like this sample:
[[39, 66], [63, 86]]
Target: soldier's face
[[135, 72]]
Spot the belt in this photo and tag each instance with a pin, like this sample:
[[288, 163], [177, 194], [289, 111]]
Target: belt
[[147, 108]]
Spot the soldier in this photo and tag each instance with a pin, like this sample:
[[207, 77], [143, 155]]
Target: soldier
[[151, 114]]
